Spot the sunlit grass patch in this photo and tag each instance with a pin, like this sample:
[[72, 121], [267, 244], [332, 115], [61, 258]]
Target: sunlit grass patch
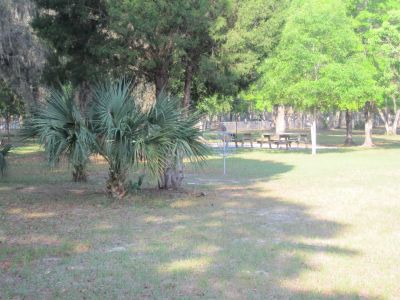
[[187, 265], [27, 149]]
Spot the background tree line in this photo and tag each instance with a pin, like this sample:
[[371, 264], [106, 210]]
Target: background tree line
[[216, 55]]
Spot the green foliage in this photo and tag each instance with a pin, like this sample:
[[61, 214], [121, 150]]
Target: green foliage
[[22, 54], [169, 43], [135, 186], [377, 24], [318, 63], [256, 30], [4, 151], [128, 136], [384, 47], [119, 130], [10, 103], [74, 30], [215, 105], [304, 53], [62, 129]]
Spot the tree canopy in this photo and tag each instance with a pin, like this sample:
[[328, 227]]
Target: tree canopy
[[224, 56]]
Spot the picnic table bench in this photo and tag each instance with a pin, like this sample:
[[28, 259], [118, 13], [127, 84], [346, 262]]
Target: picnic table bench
[[282, 139], [247, 137], [233, 137]]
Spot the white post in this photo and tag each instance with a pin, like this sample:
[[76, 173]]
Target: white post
[[314, 134], [224, 153]]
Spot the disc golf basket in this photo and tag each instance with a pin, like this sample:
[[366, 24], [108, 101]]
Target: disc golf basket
[[225, 146]]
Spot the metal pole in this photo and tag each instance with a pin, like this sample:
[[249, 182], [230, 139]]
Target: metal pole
[[224, 153]]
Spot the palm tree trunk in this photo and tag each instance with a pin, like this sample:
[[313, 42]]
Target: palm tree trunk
[[116, 184], [173, 175], [79, 174]]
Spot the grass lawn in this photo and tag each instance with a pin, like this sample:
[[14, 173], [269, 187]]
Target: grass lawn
[[280, 225]]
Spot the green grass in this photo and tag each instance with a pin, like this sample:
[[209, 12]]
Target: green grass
[[281, 224]]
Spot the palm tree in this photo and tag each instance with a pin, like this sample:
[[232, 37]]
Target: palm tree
[[127, 135], [117, 124], [119, 130], [178, 128], [62, 129]]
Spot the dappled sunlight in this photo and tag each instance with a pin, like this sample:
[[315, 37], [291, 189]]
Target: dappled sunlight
[[80, 247], [320, 292], [14, 211], [28, 149], [218, 213], [39, 215], [31, 215], [194, 265], [316, 248], [5, 188], [34, 238], [27, 189], [237, 204], [179, 218], [273, 229], [164, 220], [77, 191], [103, 226], [207, 249], [183, 203], [213, 224], [154, 219]]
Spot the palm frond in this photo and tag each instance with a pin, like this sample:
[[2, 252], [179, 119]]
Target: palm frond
[[127, 136], [61, 128]]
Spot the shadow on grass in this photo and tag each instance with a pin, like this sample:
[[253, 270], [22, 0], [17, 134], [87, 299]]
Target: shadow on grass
[[244, 246], [234, 243], [238, 170]]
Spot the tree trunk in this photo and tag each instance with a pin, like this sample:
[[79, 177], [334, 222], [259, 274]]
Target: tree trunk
[[396, 122], [35, 94], [84, 95], [314, 134], [8, 120], [338, 118], [188, 83], [385, 119], [161, 81], [331, 121], [173, 175], [116, 184], [79, 173], [288, 116], [349, 129], [303, 120], [280, 123], [368, 124], [342, 119]]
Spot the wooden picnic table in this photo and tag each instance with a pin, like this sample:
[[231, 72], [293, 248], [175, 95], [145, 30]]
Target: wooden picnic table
[[286, 138], [232, 137]]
